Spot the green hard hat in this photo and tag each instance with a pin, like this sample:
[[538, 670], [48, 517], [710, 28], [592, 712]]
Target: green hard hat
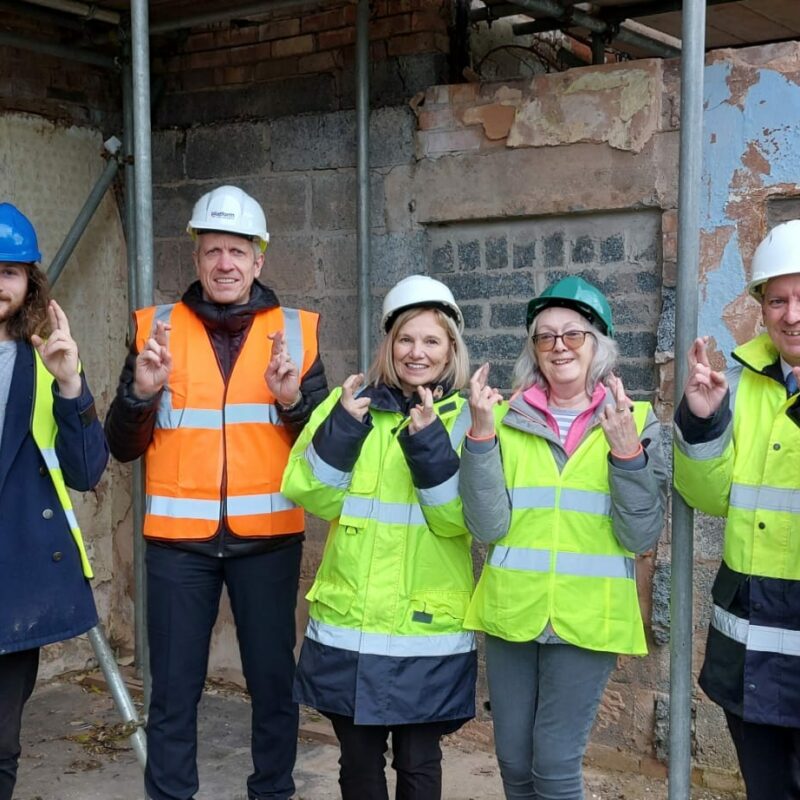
[[575, 292]]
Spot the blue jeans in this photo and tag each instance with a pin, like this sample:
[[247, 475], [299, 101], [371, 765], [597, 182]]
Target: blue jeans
[[544, 700], [183, 593]]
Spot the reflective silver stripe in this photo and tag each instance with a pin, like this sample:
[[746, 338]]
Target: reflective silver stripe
[[703, 451], [390, 513], [767, 498], [570, 499], [525, 558], [293, 335], [184, 508], [581, 564], [239, 413], [211, 419], [197, 418], [441, 494], [533, 497], [460, 427], [163, 313], [382, 644], [50, 458], [324, 472], [595, 566], [756, 637], [585, 501], [244, 505]]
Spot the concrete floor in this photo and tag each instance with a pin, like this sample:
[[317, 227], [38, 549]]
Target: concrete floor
[[70, 753]]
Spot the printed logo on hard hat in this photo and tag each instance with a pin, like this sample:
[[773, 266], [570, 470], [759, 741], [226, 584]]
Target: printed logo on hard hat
[[223, 214]]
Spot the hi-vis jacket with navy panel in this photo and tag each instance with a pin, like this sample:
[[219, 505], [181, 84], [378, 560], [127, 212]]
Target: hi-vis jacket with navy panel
[[563, 530], [219, 447], [385, 642], [744, 463]]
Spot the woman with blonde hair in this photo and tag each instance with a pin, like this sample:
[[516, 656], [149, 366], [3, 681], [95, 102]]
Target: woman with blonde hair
[[385, 652]]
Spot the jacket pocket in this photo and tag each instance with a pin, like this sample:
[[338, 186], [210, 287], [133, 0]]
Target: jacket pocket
[[334, 595], [441, 609]]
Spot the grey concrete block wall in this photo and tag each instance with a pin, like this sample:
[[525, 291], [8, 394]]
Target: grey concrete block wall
[[496, 267]]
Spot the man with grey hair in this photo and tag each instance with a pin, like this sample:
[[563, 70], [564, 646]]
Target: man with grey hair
[[213, 393]]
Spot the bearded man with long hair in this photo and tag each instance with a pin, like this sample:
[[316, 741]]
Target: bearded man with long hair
[[50, 439]]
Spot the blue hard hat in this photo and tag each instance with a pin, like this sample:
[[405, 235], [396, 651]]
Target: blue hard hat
[[17, 236]]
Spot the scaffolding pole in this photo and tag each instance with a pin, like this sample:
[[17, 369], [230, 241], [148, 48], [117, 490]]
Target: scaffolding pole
[[362, 124], [119, 691], [85, 215], [143, 263], [97, 638], [140, 646], [686, 305]]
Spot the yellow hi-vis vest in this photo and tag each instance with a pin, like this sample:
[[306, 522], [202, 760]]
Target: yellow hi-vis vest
[[44, 430], [560, 561], [753, 479]]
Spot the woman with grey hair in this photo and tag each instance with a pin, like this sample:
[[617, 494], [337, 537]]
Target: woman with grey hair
[[566, 483]]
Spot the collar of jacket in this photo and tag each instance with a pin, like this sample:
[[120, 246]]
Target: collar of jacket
[[389, 398], [229, 317], [759, 354], [528, 412]]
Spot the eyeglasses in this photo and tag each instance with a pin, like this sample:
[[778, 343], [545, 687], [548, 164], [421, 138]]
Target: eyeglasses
[[573, 340]]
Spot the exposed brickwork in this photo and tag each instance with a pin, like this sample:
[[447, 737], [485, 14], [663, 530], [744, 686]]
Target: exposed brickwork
[[258, 54]]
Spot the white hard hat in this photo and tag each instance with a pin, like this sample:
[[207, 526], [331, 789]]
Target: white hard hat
[[230, 210], [419, 290], [778, 254]]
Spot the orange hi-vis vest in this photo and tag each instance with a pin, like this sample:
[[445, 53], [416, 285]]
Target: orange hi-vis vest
[[219, 451]]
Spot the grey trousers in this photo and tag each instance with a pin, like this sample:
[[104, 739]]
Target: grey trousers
[[544, 700]]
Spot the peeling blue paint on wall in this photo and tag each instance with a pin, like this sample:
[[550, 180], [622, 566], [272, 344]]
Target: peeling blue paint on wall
[[765, 119]]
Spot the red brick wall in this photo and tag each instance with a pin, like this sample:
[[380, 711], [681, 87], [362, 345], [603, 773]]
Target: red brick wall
[[271, 47]]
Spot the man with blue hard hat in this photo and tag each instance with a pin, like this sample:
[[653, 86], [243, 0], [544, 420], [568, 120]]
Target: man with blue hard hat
[[50, 439]]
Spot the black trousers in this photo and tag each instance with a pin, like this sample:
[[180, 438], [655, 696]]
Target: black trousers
[[17, 678], [183, 594], [769, 758], [417, 759]]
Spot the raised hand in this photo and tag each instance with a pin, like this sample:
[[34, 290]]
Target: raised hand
[[617, 421], [59, 352], [356, 407], [705, 388], [153, 364], [282, 375], [482, 400], [421, 414]]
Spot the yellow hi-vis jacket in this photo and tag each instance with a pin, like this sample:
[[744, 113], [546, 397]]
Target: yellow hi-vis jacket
[[385, 642], [749, 472], [752, 474], [44, 431], [560, 561]]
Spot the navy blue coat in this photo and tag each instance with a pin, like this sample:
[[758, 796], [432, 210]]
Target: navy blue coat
[[44, 596]]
